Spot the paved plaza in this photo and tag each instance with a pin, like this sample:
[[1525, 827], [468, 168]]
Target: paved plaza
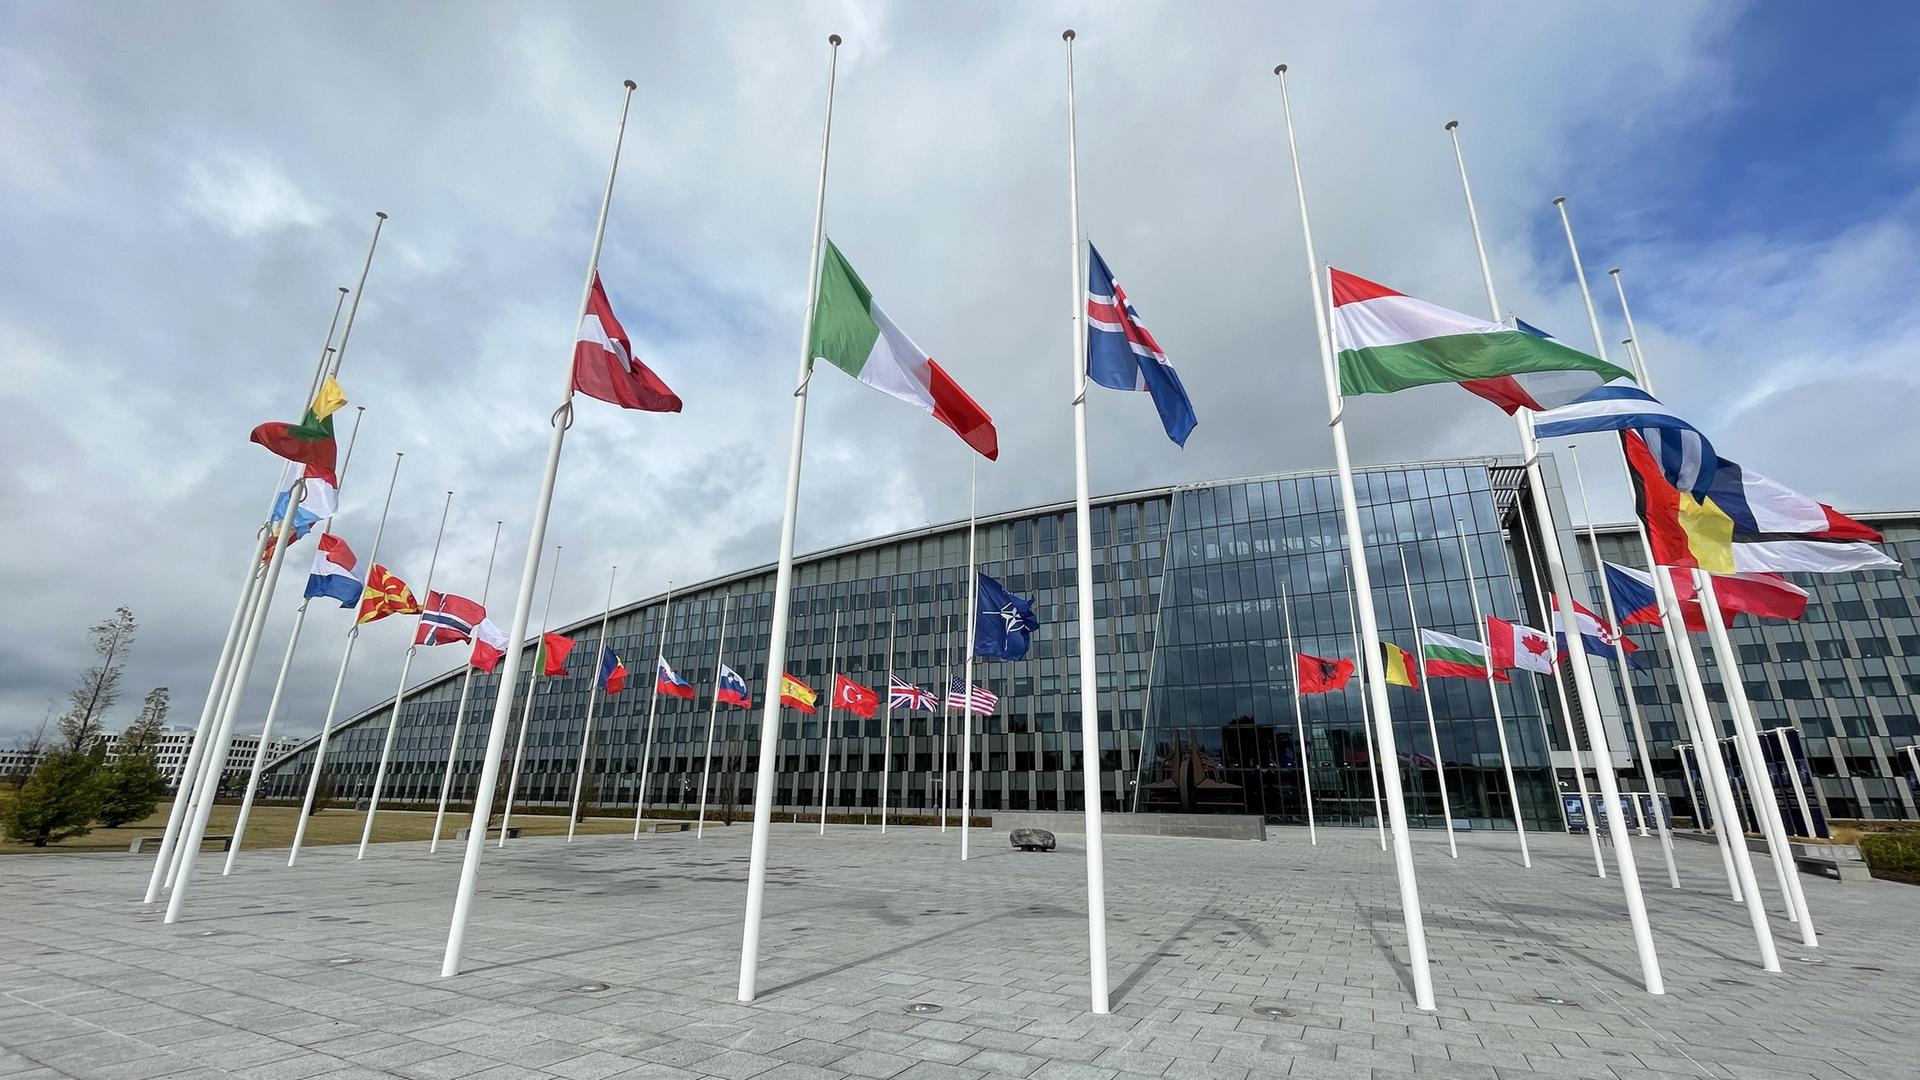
[[617, 958]]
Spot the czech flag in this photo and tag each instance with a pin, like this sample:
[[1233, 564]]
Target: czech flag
[[668, 681]]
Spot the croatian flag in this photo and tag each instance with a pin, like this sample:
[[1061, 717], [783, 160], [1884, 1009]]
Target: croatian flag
[[1122, 355], [447, 619], [668, 681], [332, 574], [905, 695], [731, 689], [1595, 634]]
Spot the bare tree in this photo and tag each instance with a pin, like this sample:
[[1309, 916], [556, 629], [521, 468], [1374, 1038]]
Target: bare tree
[[99, 685], [143, 735]]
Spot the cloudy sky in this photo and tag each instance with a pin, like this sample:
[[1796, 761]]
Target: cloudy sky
[[183, 187]]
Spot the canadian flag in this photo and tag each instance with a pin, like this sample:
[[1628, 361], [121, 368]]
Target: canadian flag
[[1513, 645], [604, 366]]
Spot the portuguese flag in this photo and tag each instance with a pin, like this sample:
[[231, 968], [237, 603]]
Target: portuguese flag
[[853, 334], [1449, 657], [309, 442], [1387, 342]]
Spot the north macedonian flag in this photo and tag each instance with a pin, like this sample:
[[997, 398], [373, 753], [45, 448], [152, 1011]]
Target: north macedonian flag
[[385, 595], [796, 694]]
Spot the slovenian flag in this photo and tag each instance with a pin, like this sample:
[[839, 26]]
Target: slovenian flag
[[668, 681], [731, 689], [333, 574]]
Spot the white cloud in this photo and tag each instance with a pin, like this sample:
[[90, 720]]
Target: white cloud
[[246, 194]]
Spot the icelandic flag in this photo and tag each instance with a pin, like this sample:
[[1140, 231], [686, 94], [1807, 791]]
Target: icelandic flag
[[668, 681], [1122, 355], [731, 689], [1003, 624], [332, 574], [1634, 602], [1686, 457], [613, 673]]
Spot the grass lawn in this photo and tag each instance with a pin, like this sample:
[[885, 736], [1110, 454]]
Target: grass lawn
[[272, 827]]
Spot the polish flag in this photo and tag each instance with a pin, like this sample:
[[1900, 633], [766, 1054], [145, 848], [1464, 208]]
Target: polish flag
[[489, 645]]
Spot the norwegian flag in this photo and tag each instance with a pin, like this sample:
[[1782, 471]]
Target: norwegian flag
[[1122, 354], [983, 703], [905, 695], [447, 619]]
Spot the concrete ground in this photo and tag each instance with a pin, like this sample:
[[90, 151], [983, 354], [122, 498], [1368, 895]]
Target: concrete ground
[[885, 957]]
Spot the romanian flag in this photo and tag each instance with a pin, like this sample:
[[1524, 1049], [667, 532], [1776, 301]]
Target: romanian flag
[[1400, 668], [310, 442], [385, 595], [796, 694]]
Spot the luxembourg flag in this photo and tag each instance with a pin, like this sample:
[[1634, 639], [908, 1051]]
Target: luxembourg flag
[[668, 681], [333, 574]]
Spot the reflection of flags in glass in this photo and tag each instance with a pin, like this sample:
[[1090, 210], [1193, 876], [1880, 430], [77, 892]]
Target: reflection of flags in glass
[[905, 695], [957, 697]]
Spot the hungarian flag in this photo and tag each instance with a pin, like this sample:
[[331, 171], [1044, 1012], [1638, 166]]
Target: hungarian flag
[[796, 694], [385, 595], [1387, 341], [489, 645], [1320, 676], [1447, 657], [613, 673], [1514, 645], [856, 699], [447, 619], [553, 655], [604, 366], [853, 334], [309, 442], [1399, 667]]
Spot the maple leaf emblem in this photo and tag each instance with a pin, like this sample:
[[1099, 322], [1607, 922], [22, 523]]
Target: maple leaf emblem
[[1534, 644]]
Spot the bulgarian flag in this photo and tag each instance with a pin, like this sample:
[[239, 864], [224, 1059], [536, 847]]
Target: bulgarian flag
[[1447, 657], [853, 334], [1388, 342]]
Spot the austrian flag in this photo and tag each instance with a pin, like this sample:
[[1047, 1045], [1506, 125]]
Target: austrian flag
[[604, 366]]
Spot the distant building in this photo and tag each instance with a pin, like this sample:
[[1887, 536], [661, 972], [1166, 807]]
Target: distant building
[[170, 756]]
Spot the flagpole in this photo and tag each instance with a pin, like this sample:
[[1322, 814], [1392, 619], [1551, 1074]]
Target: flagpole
[[1493, 692], [973, 628], [946, 710], [1566, 711], [1356, 552], [533, 689], [164, 861], [1299, 717], [826, 734], [400, 693], [1366, 720], [713, 715], [1793, 776], [286, 662], [886, 730], [593, 695], [1433, 729], [460, 710], [340, 677], [1626, 674], [653, 707]]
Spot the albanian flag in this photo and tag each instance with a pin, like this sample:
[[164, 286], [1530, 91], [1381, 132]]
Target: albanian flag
[[1321, 676]]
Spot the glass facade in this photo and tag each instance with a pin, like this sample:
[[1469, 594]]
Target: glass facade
[[1194, 677]]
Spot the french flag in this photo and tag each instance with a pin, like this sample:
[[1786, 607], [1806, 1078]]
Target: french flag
[[668, 681]]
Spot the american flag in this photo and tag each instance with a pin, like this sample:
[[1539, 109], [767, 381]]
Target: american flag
[[905, 695], [983, 702]]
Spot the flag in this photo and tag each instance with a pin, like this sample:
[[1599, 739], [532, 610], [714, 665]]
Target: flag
[[1536, 390], [613, 673], [853, 334], [333, 574], [731, 689], [385, 595], [309, 442], [856, 699], [552, 659], [1387, 342], [796, 694], [1003, 624], [1444, 656], [1597, 636], [604, 366], [1761, 595], [905, 695], [1634, 601], [1685, 456], [1515, 645], [668, 681], [1122, 354], [959, 694], [1399, 667], [447, 619], [489, 645], [319, 500], [1315, 675]]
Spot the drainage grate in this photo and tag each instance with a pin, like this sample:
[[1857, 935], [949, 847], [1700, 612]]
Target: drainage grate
[[1546, 999], [340, 960], [588, 988], [1808, 960], [923, 1007], [1274, 1012]]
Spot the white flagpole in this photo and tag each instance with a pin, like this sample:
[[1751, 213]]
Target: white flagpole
[[460, 710], [523, 603], [826, 733], [973, 626], [400, 693], [1433, 729], [533, 689], [946, 710], [1566, 711], [1356, 557], [653, 708], [340, 677], [1626, 675], [280, 681], [1493, 694], [593, 696], [886, 730], [713, 717], [766, 775], [164, 862], [1793, 775], [1366, 718], [1083, 534], [1299, 717]]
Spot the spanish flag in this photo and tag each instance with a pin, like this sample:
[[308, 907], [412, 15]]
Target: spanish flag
[[1400, 668], [796, 694]]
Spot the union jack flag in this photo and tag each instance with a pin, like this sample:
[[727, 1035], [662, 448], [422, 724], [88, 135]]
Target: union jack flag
[[905, 695], [983, 703]]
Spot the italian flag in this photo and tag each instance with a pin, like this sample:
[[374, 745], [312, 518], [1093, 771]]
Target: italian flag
[[853, 334], [1449, 657], [1387, 341]]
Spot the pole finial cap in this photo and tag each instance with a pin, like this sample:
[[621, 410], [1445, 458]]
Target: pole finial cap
[[1559, 200], [1615, 270], [342, 288], [381, 214], [1280, 69], [1451, 124], [833, 40], [631, 85], [1068, 34]]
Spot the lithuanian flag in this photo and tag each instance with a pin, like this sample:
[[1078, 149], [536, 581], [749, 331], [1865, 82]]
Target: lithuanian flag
[[309, 442]]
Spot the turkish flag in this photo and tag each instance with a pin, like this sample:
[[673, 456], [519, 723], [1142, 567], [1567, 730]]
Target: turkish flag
[[1321, 676], [854, 698]]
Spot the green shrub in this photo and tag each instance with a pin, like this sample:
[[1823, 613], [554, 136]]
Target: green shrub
[[1899, 852], [132, 788], [60, 800]]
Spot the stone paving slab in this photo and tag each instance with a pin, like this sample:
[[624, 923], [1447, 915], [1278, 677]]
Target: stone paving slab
[[615, 959]]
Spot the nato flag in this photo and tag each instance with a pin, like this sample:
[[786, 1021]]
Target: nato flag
[[1003, 623]]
